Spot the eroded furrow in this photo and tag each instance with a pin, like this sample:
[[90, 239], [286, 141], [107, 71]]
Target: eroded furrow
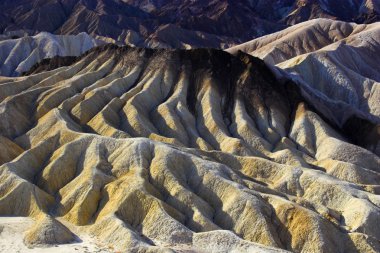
[[164, 149]]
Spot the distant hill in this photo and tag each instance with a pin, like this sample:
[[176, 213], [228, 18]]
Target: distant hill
[[176, 23]]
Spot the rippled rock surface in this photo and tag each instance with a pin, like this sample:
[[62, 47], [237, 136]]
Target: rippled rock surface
[[154, 150]]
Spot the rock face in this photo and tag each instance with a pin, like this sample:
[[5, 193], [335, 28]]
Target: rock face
[[177, 23], [336, 61], [199, 150], [19, 55]]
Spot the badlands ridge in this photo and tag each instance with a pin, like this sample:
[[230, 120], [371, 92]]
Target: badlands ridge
[[182, 151], [337, 61], [19, 55]]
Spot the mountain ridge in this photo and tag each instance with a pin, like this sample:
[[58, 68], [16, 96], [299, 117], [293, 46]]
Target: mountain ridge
[[217, 23]]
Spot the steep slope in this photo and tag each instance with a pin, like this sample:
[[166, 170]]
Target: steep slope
[[195, 150], [19, 55], [176, 23], [337, 60]]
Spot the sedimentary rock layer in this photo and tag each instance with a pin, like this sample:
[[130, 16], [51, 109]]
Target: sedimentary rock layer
[[183, 150]]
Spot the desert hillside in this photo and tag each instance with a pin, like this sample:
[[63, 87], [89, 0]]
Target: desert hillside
[[182, 151]]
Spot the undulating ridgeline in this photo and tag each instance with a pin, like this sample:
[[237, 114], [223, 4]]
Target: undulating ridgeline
[[197, 150], [177, 23]]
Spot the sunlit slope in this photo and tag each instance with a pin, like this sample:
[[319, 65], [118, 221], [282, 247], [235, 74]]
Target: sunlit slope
[[184, 150]]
